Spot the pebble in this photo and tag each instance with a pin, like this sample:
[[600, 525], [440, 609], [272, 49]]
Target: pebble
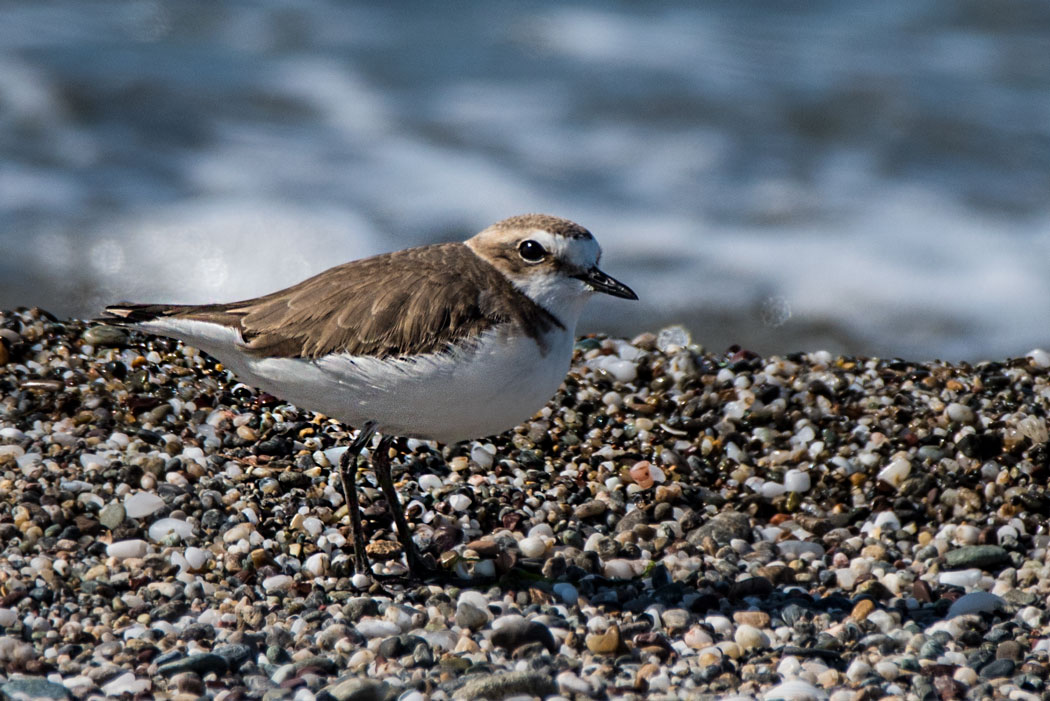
[[975, 603], [532, 546], [124, 549], [142, 504]]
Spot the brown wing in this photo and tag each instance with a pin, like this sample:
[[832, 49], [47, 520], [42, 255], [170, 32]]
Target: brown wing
[[420, 300]]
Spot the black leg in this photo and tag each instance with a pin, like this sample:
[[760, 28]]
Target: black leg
[[348, 473], [381, 465]]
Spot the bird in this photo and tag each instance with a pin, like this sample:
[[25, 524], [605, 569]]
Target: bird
[[445, 342]]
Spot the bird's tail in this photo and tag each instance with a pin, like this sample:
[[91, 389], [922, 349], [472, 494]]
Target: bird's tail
[[129, 314]]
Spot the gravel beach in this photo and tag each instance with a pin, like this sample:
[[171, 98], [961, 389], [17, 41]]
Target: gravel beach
[[674, 524]]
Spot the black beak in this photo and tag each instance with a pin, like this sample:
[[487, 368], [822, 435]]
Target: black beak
[[600, 282]]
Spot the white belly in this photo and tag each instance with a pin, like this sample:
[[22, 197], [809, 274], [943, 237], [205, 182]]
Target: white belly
[[469, 393]]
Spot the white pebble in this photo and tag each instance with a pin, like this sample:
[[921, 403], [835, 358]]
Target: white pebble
[[142, 504], [794, 690], [376, 628], [771, 490], [624, 569], [165, 527], [887, 521], [796, 481], [966, 675], [858, 670], [88, 459], [124, 549], [961, 578], [429, 483], [887, 670], [196, 558], [542, 529], [897, 471], [317, 564], [533, 546], [967, 534], [459, 502], [846, 578], [126, 684], [277, 582], [622, 370], [882, 620], [7, 617], [960, 413], [313, 525], [719, 624], [360, 581], [748, 636], [483, 455]]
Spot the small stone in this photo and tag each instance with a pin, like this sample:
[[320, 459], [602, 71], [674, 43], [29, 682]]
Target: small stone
[[887, 670], [499, 686], [112, 515], [723, 528], [590, 509], [607, 643], [862, 609], [641, 474], [567, 593], [1009, 650], [33, 688], [277, 582], [123, 549], [794, 690], [976, 602], [142, 504], [357, 689], [959, 413], [756, 619], [676, 620], [470, 616], [532, 546], [897, 471], [857, 671], [985, 557], [104, 335], [748, 637], [998, 669]]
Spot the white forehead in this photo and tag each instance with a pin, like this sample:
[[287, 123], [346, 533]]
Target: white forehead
[[581, 252]]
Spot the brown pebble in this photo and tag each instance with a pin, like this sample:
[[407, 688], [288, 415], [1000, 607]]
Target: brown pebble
[[667, 493], [641, 679], [484, 547], [863, 608], [758, 619], [921, 591], [607, 643], [383, 549], [590, 509], [1010, 650]]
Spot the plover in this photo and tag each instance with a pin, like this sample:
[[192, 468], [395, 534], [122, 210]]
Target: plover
[[446, 342]]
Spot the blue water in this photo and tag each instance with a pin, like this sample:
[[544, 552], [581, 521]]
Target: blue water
[[858, 176]]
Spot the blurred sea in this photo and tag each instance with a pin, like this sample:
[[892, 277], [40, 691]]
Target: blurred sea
[[869, 177]]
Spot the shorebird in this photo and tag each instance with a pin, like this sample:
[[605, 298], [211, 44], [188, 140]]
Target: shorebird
[[447, 342]]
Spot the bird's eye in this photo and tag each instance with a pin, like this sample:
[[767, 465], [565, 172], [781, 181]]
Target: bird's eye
[[531, 251]]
